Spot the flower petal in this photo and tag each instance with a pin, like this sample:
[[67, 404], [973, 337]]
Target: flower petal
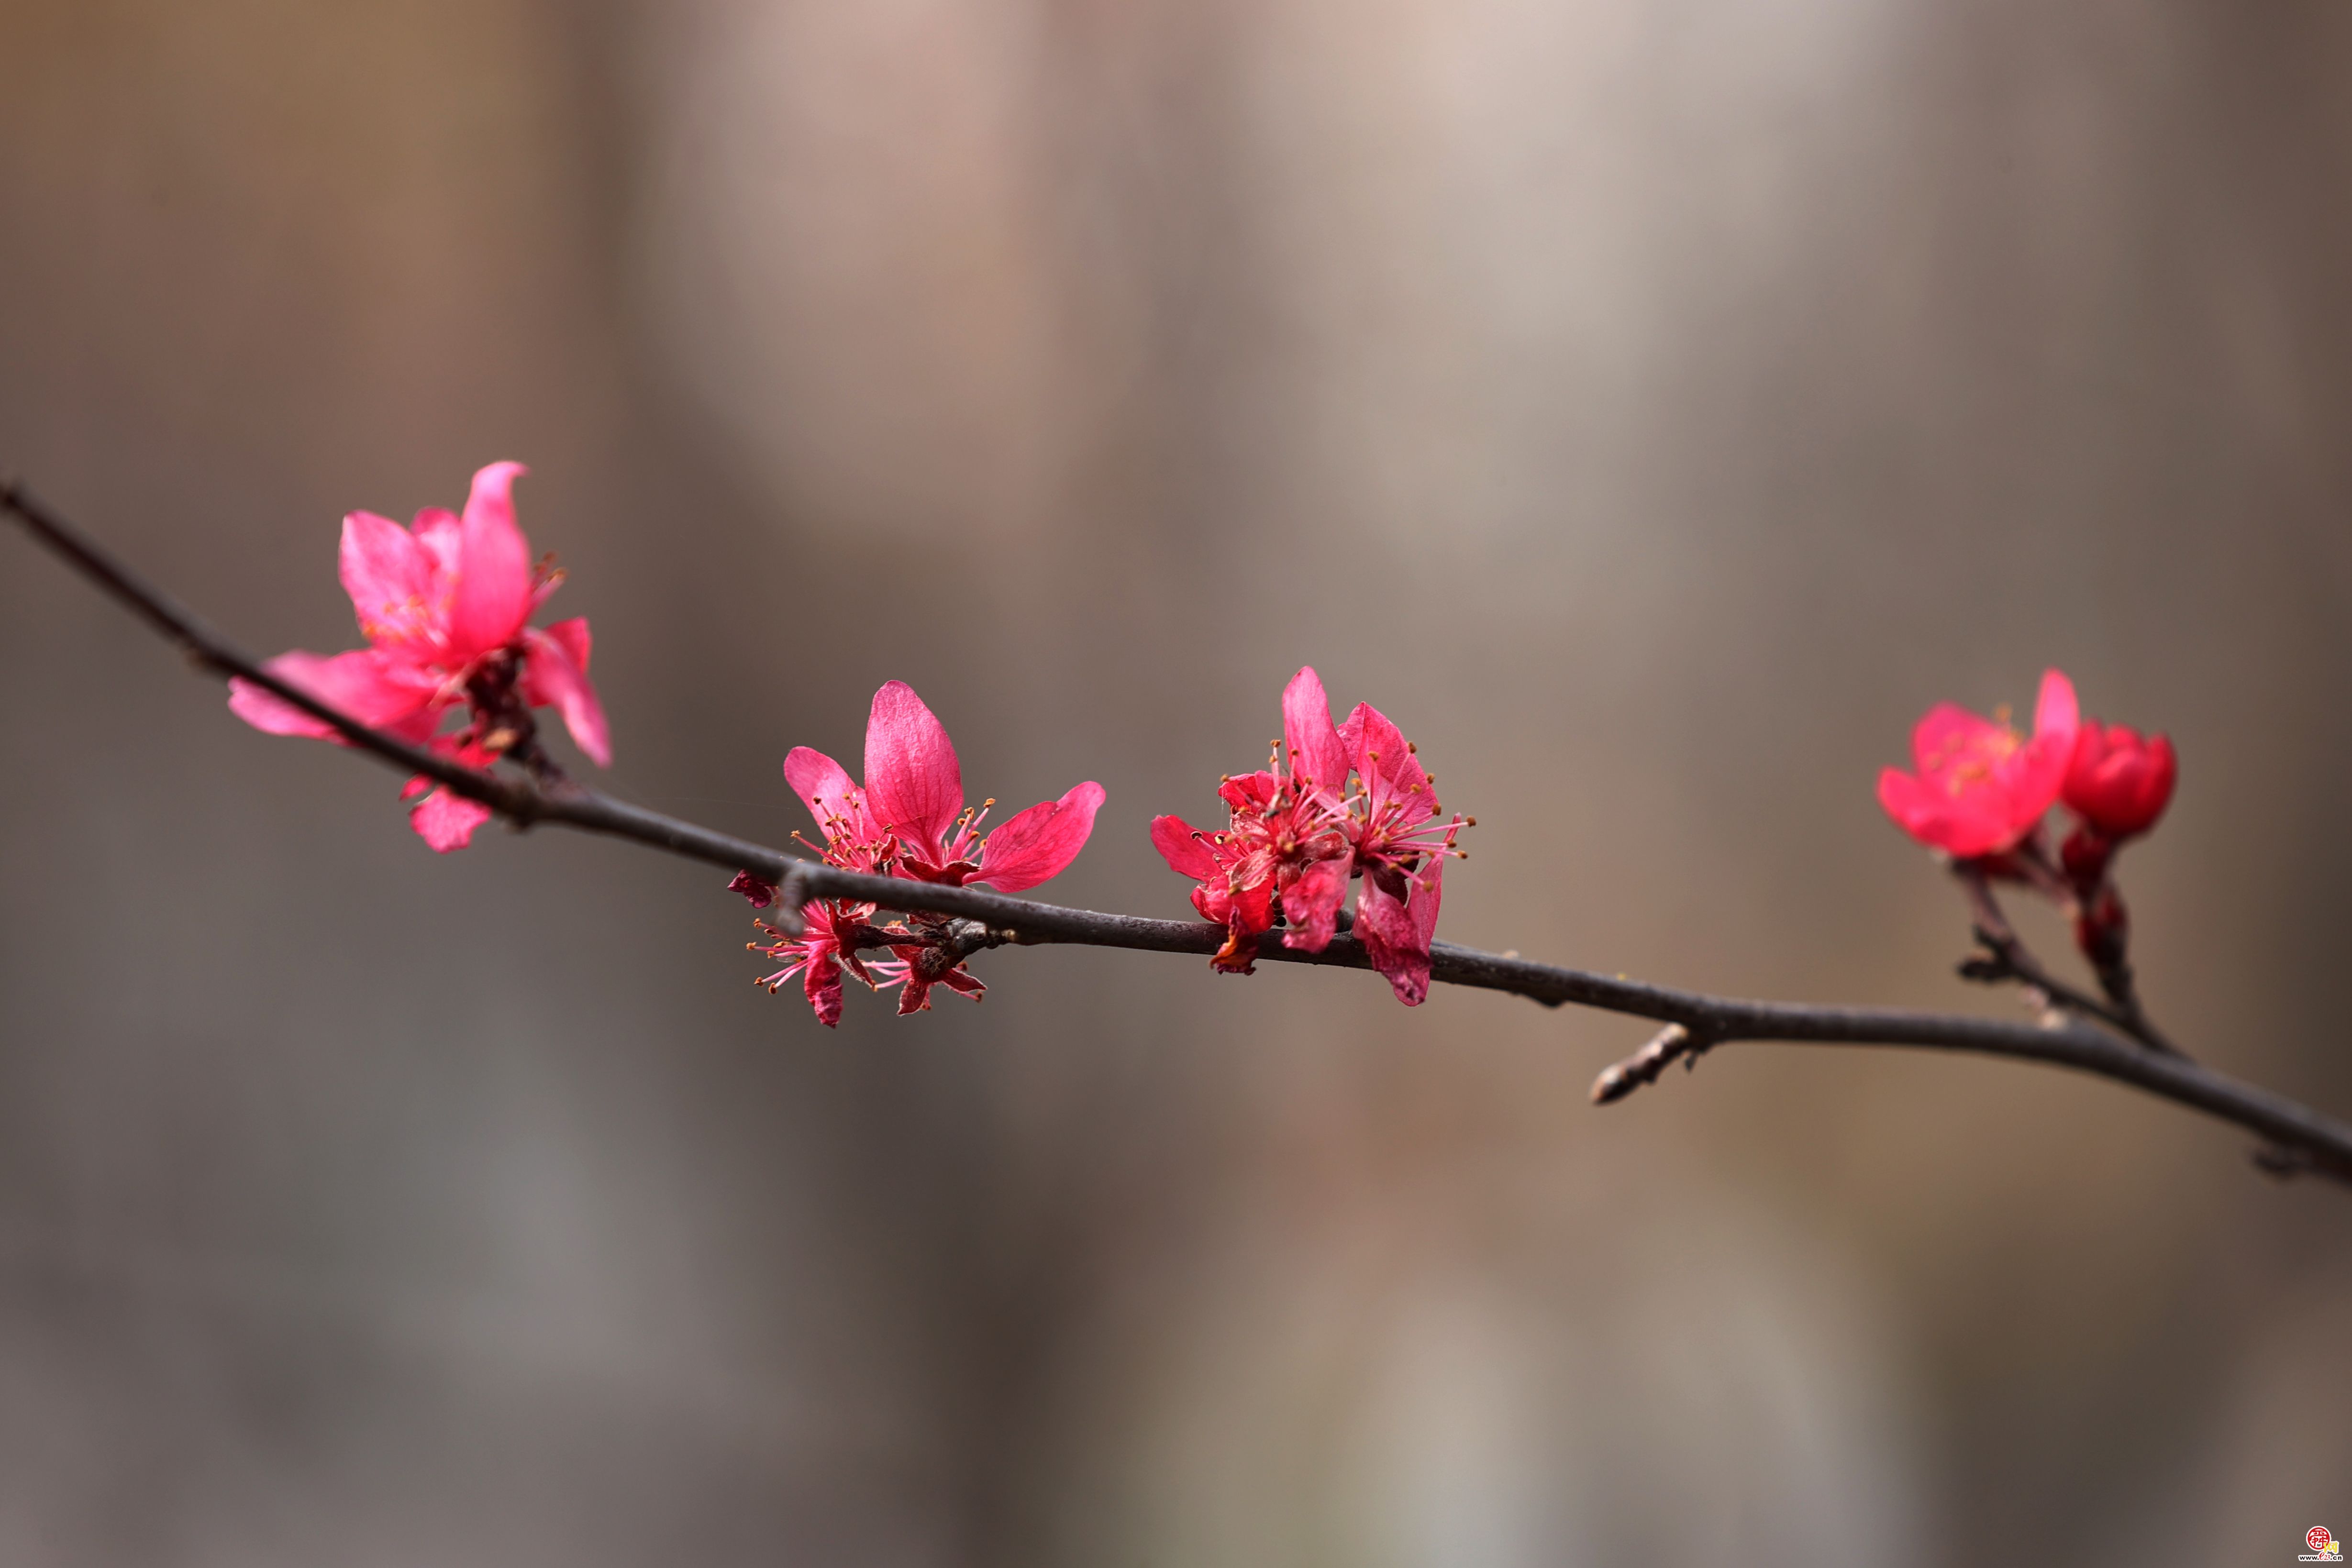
[[1948, 731], [1312, 904], [390, 579], [555, 674], [2055, 711], [363, 684], [447, 822], [1179, 845], [1384, 757], [493, 587], [1981, 822], [823, 785], [913, 782], [1397, 935], [437, 531], [1039, 843], [1316, 754]]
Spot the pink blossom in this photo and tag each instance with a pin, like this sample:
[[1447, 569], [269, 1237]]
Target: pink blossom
[[909, 819], [444, 605], [1296, 834], [1980, 788]]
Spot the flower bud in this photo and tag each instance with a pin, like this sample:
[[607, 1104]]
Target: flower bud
[[2117, 782]]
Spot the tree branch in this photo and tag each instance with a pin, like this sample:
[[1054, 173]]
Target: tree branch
[[2296, 1137]]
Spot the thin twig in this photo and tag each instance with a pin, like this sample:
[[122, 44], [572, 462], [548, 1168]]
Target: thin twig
[[2008, 958], [2297, 1136]]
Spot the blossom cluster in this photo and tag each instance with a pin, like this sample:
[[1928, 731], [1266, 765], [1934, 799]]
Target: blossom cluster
[[1298, 832], [1980, 792], [445, 607]]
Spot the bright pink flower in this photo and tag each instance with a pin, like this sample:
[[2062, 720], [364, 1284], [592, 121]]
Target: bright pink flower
[[1980, 788], [909, 820], [2118, 782], [444, 606], [1285, 843], [1296, 837]]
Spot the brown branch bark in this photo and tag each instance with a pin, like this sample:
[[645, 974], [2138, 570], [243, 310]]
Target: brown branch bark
[[2296, 1137]]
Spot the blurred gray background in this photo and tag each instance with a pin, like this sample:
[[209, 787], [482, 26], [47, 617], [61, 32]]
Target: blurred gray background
[[1653, 408]]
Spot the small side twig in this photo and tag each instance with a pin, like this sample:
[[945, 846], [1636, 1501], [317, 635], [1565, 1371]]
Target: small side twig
[[1672, 1043], [2007, 957]]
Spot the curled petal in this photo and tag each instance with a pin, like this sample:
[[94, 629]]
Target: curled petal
[[378, 691], [1179, 845], [1317, 753], [821, 984], [1312, 904], [493, 589], [1397, 935], [759, 890], [1039, 843], [555, 674], [913, 782]]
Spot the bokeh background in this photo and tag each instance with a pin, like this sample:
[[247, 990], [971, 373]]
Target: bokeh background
[[1653, 407]]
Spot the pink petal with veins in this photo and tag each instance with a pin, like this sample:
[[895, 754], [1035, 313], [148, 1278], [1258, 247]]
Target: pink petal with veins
[[913, 782], [493, 587], [1038, 843]]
